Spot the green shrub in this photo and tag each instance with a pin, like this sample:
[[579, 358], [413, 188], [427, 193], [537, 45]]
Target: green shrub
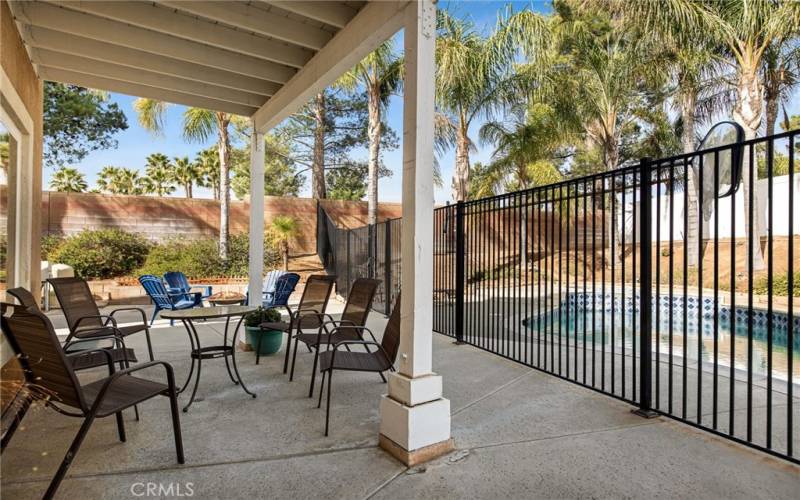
[[103, 253], [200, 258], [780, 285], [260, 315], [50, 243]]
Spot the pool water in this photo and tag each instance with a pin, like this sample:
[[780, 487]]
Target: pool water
[[592, 325]]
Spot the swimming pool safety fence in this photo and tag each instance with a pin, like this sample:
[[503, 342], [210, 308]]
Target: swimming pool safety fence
[[667, 284]]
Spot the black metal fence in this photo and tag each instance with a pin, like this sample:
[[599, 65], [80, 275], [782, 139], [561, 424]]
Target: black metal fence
[[647, 283], [347, 253]]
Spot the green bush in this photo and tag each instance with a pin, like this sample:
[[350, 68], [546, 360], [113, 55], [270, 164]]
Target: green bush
[[50, 243], [200, 258], [780, 285], [103, 253]]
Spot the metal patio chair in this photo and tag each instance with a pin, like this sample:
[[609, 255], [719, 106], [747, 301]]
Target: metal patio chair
[[377, 361], [313, 302], [83, 315], [178, 283], [49, 369], [163, 299], [356, 311], [119, 353]]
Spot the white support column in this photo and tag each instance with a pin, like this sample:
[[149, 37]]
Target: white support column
[[256, 267], [415, 419]]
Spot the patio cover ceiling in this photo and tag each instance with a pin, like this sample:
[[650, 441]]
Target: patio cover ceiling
[[260, 59]]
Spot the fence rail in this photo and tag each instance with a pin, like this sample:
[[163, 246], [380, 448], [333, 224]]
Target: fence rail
[[637, 283]]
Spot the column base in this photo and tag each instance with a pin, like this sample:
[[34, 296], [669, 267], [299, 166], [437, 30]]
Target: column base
[[418, 456]]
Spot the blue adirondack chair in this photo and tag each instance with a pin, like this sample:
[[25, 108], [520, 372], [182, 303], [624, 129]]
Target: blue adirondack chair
[[177, 283], [270, 280], [163, 299], [284, 286]]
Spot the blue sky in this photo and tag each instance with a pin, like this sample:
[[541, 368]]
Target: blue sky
[[135, 143]]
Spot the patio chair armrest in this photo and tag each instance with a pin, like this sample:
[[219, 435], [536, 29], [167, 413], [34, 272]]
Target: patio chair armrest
[[127, 371], [139, 309], [357, 327], [106, 317]]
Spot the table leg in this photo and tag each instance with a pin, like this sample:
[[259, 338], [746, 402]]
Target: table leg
[[233, 356], [199, 366], [191, 369], [225, 342]]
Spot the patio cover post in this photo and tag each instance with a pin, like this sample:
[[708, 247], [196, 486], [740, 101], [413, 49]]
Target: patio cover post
[[256, 253], [415, 419]]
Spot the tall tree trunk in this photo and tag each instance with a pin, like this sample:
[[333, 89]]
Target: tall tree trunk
[[224, 183], [188, 188], [461, 179], [374, 132], [688, 102], [771, 97], [318, 165], [747, 113]]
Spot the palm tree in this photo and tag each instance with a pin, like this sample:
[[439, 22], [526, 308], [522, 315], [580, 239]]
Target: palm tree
[[592, 72], [185, 173], [380, 73], [284, 228], [524, 146], [207, 162], [470, 71], [781, 76], [747, 31], [159, 179], [68, 180], [198, 125]]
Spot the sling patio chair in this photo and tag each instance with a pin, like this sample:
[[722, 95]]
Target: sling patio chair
[[313, 302], [377, 361], [356, 311], [178, 283], [48, 368], [84, 318], [119, 354], [163, 299]]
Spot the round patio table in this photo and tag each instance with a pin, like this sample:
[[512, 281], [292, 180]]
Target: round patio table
[[199, 353]]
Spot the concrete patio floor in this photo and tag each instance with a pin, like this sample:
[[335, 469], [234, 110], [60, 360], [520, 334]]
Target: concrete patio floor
[[519, 433]]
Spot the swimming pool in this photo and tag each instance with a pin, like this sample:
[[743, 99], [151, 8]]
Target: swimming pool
[[587, 318]]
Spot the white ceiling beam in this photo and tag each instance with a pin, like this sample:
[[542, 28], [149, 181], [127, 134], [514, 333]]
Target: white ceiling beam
[[333, 13], [169, 22], [97, 28], [257, 20], [44, 38], [132, 89], [374, 24], [60, 60]]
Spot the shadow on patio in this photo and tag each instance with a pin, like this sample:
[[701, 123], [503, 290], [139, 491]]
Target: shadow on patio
[[518, 432]]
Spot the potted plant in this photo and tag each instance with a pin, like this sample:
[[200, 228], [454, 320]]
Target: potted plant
[[270, 339]]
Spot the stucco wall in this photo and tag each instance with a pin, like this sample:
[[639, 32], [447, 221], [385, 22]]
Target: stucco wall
[[163, 218]]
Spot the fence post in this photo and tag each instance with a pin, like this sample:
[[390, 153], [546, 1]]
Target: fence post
[[460, 271], [645, 290], [349, 265], [387, 268]]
